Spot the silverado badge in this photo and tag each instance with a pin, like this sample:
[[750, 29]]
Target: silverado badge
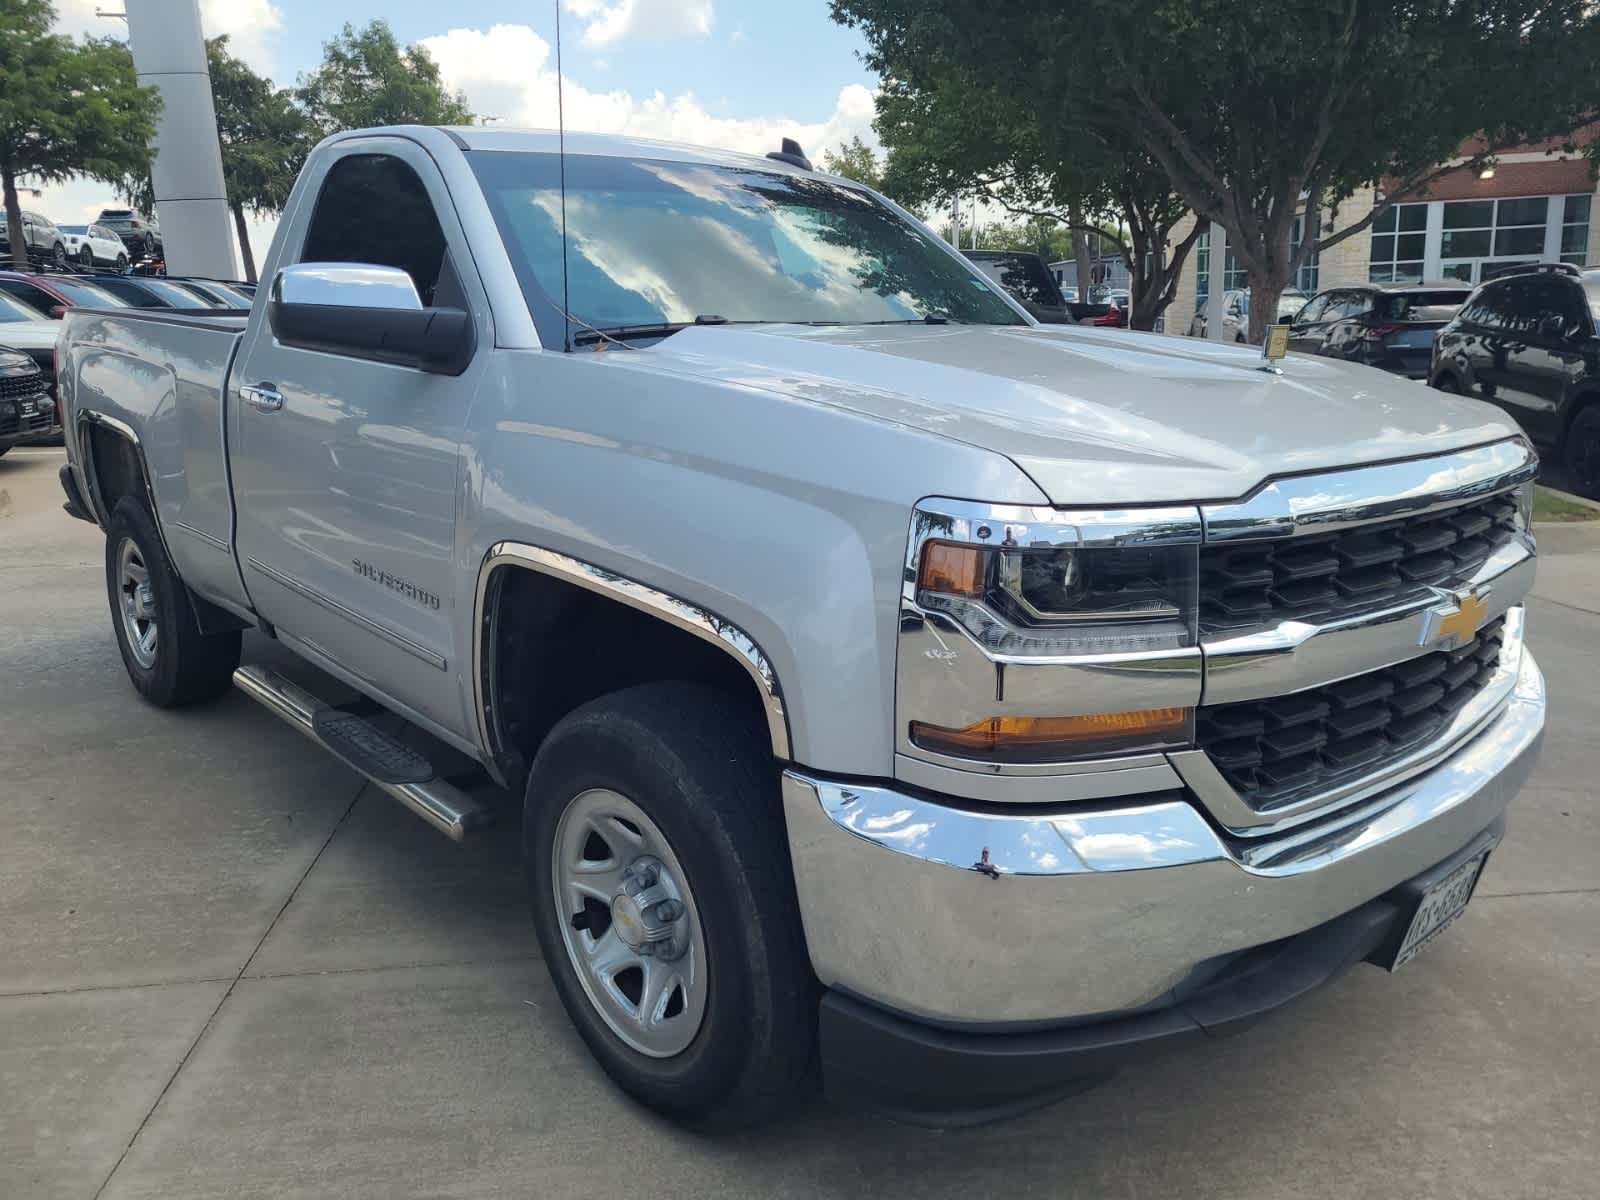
[[1448, 625]]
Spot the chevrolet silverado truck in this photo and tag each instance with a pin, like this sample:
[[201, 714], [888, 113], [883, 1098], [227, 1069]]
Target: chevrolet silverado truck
[[890, 685]]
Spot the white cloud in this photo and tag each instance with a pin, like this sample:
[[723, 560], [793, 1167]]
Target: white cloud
[[611, 21], [249, 24], [508, 71]]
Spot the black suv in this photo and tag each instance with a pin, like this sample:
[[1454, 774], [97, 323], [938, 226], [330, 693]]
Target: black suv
[[1529, 341], [27, 413], [1390, 326]]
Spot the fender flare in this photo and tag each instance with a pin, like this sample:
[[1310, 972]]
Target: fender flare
[[679, 613]]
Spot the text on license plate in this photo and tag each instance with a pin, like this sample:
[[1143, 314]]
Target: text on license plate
[[1441, 905]]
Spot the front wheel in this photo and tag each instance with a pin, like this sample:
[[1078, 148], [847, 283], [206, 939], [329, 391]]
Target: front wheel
[[1446, 383], [169, 660], [86, 257], [58, 254], [1582, 452], [664, 902]]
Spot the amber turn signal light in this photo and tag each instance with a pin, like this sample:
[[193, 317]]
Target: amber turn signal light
[[1053, 739], [953, 569]]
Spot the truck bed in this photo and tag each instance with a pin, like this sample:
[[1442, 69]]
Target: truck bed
[[163, 373]]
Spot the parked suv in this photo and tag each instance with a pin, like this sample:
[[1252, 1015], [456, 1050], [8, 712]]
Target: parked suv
[[96, 246], [1529, 341], [46, 243], [1390, 326], [27, 413], [140, 234], [1236, 313]]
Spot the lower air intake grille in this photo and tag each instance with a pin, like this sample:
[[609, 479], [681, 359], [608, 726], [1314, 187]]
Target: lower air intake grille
[[1274, 750]]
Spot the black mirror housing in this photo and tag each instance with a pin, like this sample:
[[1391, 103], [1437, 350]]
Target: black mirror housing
[[440, 341]]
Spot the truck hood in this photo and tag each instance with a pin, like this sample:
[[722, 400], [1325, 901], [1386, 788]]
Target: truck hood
[[1100, 416], [29, 335]]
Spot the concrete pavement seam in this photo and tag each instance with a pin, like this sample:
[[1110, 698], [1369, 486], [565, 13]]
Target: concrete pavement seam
[[1589, 891], [112, 987], [204, 1029], [499, 961], [1592, 612]]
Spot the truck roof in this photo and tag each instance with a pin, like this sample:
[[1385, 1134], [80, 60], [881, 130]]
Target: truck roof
[[548, 141]]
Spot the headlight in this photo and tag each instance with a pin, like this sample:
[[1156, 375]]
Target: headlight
[[1087, 620]]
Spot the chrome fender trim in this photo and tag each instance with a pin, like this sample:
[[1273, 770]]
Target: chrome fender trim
[[679, 613]]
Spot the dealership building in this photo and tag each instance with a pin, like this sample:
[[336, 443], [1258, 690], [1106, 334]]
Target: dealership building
[[1539, 203]]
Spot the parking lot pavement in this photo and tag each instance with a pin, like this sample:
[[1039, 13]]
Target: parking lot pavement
[[228, 969]]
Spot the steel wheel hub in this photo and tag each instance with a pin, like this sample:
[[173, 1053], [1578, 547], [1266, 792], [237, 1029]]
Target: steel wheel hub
[[629, 923], [137, 603]]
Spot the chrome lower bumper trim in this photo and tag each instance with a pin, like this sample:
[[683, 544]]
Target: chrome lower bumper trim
[[961, 916]]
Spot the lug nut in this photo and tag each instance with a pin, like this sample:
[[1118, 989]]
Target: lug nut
[[668, 910]]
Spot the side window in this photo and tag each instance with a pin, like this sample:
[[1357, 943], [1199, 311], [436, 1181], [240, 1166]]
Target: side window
[[1523, 305], [32, 296], [374, 209], [1314, 311], [1487, 308]]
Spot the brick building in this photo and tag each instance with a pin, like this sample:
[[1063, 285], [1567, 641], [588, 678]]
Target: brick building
[[1540, 204]]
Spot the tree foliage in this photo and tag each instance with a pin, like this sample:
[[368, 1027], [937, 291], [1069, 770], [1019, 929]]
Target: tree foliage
[[949, 134], [65, 109], [1246, 106], [367, 78], [854, 160], [264, 139]]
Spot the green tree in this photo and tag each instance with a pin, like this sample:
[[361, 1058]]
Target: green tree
[[367, 78], [950, 134], [65, 109], [1253, 112], [264, 138], [854, 160]]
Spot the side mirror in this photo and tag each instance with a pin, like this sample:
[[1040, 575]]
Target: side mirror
[[365, 311], [57, 311]]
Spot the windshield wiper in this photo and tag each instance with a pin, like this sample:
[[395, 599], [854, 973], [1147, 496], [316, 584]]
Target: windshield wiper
[[604, 333], [932, 318]]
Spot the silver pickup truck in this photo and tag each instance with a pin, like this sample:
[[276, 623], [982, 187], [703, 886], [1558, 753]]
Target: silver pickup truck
[[889, 682]]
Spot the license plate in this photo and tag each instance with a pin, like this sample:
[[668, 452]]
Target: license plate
[[30, 408], [1441, 905]]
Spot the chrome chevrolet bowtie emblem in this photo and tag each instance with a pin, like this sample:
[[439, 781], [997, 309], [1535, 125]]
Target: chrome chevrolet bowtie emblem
[[1454, 622]]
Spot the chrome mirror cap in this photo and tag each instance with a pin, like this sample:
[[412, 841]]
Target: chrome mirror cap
[[346, 285]]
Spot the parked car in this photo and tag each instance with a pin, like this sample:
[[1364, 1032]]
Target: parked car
[[885, 679], [1390, 326], [46, 244], [1028, 280], [26, 329], [220, 293], [1529, 341], [95, 246], [153, 292], [139, 233], [1236, 313], [53, 294], [27, 413]]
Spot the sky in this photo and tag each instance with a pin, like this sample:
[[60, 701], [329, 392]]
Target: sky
[[738, 74]]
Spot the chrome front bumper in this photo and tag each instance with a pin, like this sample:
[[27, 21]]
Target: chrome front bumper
[[1020, 915]]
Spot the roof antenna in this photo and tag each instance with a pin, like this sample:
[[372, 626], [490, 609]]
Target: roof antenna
[[561, 145], [793, 155]]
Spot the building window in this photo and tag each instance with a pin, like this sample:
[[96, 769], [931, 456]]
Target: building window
[[1305, 278], [1575, 230], [1234, 277], [1202, 267], [1399, 243], [1484, 238]]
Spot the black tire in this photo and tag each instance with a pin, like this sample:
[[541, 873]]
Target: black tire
[[1447, 383], [697, 765], [122, 264], [58, 254], [186, 666], [1581, 451], [87, 259]]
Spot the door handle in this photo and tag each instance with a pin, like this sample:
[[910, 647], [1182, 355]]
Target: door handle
[[262, 396]]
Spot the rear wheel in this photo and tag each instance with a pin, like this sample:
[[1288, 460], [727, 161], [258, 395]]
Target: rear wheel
[[665, 906], [58, 253], [168, 659], [1582, 452], [122, 264], [1446, 383]]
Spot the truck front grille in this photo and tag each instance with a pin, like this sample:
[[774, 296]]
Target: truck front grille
[[1276, 750], [1320, 575]]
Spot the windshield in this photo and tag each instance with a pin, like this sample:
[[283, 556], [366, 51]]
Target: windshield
[[1023, 275], [15, 310], [87, 294], [651, 242], [73, 228]]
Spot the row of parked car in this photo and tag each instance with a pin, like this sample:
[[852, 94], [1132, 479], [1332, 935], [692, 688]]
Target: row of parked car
[[1527, 340], [31, 304], [118, 239]]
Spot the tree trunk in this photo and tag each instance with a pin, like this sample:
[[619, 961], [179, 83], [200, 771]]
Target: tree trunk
[[1266, 287], [244, 242], [1080, 258], [18, 239]]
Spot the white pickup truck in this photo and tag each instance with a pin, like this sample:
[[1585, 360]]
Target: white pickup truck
[[887, 680]]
